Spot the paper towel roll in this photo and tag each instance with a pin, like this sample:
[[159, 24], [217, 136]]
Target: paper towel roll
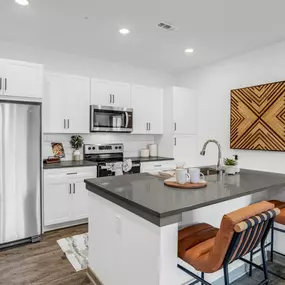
[[153, 149]]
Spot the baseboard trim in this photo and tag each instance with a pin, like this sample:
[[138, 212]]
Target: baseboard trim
[[93, 277]]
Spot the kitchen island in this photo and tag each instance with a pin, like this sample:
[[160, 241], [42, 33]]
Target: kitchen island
[[134, 221]]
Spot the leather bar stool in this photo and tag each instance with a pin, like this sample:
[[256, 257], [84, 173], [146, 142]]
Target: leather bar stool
[[209, 249], [280, 219]]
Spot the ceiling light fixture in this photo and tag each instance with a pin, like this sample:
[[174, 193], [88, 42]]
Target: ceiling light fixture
[[22, 2], [124, 31], [189, 50]]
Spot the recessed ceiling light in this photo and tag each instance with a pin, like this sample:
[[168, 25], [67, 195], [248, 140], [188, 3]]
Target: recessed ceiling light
[[124, 31], [22, 2], [189, 50]]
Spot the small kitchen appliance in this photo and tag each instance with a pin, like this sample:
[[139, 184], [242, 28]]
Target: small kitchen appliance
[[111, 119]]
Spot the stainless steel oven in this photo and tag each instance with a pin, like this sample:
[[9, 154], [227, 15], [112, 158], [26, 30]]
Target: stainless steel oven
[[111, 119]]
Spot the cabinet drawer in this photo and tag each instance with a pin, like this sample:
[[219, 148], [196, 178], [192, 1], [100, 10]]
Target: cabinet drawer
[[53, 176], [158, 166]]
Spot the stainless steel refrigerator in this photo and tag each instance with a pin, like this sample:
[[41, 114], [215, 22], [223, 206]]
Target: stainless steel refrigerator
[[20, 172]]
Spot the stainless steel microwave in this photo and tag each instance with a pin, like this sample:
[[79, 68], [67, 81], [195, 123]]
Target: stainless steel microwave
[[111, 119]]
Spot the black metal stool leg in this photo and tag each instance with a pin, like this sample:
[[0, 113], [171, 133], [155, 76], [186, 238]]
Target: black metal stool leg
[[272, 243], [226, 274], [202, 276], [264, 264], [250, 266]]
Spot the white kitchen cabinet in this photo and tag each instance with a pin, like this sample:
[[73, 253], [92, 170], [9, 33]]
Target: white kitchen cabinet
[[184, 111], [66, 104], [147, 103], [21, 79], [185, 150], [108, 93], [65, 196], [57, 201], [180, 126]]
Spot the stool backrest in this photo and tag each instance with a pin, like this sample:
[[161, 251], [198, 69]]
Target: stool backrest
[[230, 244], [249, 234]]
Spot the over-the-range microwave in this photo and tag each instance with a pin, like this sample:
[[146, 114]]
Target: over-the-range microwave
[[111, 119]]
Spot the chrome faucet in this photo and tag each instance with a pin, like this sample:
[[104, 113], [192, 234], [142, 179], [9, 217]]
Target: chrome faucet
[[203, 152]]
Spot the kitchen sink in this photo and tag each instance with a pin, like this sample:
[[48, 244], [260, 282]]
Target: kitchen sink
[[209, 171]]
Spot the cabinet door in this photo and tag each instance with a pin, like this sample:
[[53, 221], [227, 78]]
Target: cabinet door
[[77, 91], [79, 206], [54, 104], [101, 92], [185, 109], [23, 79], [185, 150], [57, 203], [140, 104], [155, 110], [122, 95]]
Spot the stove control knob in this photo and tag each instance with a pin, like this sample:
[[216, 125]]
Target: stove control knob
[[120, 147], [93, 147], [116, 147], [89, 148]]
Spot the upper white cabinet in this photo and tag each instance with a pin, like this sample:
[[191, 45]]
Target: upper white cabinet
[[108, 93], [147, 103], [66, 104], [21, 79], [184, 111]]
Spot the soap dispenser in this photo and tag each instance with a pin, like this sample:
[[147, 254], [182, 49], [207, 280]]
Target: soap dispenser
[[237, 164]]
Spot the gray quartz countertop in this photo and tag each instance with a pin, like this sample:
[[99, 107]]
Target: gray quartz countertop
[[69, 163], [148, 197], [149, 159]]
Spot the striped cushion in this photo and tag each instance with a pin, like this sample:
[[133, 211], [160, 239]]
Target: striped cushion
[[244, 225]]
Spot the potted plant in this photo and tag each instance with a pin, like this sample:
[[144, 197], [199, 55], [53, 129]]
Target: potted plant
[[230, 166], [76, 143]]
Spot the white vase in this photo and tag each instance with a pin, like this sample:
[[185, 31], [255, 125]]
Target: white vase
[[230, 170], [76, 155]]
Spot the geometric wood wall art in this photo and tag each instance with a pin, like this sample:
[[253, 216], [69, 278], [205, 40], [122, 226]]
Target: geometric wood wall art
[[258, 117]]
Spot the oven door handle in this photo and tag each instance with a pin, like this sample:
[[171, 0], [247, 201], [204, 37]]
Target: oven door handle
[[127, 119]]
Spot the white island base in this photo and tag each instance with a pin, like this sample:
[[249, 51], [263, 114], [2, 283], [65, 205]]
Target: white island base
[[125, 249]]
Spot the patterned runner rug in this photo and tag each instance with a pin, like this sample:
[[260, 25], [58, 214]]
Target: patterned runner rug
[[76, 250]]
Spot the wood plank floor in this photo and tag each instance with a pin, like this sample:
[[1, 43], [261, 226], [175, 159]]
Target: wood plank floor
[[41, 263]]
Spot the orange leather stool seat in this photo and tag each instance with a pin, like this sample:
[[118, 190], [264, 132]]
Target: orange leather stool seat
[[205, 247]]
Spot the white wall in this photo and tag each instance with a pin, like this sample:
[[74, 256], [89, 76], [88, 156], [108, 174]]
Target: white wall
[[73, 64], [79, 65], [213, 84]]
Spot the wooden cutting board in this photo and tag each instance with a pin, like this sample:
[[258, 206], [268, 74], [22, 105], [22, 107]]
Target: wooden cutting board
[[175, 184]]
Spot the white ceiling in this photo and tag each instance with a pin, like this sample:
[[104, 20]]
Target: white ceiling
[[216, 29]]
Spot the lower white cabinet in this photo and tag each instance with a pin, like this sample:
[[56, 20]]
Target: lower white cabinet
[[65, 196]]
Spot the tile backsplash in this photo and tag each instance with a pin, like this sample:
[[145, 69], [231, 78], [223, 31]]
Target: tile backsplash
[[132, 143]]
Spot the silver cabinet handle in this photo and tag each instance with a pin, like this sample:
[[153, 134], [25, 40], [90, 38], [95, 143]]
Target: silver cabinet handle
[[6, 84], [174, 141], [73, 188], [68, 123], [174, 126], [113, 99], [0, 83], [69, 188], [149, 126], [71, 173], [64, 123], [110, 98]]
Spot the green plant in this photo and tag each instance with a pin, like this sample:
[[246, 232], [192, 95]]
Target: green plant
[[76, 142], [229, 162]]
